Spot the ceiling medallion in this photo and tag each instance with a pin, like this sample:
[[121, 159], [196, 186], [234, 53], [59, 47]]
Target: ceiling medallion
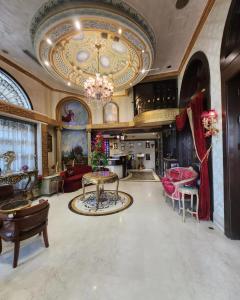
[[98, 89], [64, 34]]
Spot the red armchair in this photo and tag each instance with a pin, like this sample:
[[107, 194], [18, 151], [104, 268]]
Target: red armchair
[[73, 177], [176, 178]]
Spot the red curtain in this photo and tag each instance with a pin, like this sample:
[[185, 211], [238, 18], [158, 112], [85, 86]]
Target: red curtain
[[181, 120], [201, 147]]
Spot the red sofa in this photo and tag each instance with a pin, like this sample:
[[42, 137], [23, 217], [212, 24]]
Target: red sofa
[[73, 177]]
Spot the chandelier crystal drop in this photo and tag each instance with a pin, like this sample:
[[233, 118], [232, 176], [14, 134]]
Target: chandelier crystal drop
[[98, 89]]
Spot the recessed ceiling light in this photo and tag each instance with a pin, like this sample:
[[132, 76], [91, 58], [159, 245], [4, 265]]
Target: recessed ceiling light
[[77, 25], [46, 63], [69, 83], [120, 31], [49, 41], [143, 50], [143, 71]]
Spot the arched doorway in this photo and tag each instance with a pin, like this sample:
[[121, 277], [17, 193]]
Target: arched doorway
[[74, 116], [230, 73], [195, 79]]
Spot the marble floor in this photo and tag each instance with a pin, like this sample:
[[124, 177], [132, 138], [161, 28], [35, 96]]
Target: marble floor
[[144, 252]]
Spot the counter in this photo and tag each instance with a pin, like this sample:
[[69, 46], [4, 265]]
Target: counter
[[117, 164]]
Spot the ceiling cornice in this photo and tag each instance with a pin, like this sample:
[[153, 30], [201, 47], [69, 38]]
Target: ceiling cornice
[[196, 33], [149, 78]]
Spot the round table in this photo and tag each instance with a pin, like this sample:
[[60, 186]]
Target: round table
[[14, 206], [99, 179]]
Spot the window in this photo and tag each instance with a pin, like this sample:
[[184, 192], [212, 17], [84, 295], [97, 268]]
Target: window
[[19, 137], [11, 91]]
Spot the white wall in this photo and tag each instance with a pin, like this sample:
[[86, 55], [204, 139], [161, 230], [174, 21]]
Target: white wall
[[135, 147], [209, 42]]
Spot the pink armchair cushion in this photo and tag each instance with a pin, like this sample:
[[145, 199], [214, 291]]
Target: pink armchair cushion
[[169, 187], [175, 175], [178, 175]]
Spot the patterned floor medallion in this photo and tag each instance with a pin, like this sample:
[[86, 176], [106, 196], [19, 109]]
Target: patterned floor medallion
[[110, 203]]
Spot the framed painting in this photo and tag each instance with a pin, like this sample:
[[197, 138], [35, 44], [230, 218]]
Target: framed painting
[[74, 115]]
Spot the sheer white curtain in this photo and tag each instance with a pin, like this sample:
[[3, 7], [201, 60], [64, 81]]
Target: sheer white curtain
[[18, 137]]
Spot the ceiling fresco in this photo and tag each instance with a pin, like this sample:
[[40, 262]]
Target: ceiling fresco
[[166, 30], [66, 33]]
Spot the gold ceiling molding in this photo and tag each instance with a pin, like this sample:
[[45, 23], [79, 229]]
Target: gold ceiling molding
[[149, 78], [68, 52]]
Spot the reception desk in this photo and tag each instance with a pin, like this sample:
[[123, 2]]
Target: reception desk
[[117, 164]]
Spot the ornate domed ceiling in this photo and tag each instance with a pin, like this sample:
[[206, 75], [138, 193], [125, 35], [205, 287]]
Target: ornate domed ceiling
[[65, 34]]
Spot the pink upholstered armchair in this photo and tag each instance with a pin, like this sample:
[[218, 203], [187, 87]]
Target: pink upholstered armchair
[[175, 178]]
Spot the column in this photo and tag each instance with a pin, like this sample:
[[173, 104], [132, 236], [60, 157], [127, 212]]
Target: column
[[89, 139], [59, 148], [44, 128]]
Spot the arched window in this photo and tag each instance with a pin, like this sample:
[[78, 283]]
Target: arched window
[[110, 113], [16, 135], [12, 92]]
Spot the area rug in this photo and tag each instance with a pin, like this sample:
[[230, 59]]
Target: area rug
[[143, 175], [110, 203]]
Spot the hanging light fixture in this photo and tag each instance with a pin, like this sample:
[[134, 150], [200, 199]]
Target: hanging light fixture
[[98, 89]]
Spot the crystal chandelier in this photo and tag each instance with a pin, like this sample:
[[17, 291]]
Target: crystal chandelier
[[98, 89]]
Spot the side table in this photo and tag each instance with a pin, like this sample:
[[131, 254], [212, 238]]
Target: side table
[[52, 184], [190, 191]]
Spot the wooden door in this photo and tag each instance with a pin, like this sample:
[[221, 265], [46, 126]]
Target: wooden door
[[232, 158]]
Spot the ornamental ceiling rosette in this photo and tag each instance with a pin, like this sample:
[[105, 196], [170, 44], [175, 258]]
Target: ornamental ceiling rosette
[[64, 35]]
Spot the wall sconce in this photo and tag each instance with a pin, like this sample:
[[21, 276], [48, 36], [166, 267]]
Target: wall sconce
[[209, 121]]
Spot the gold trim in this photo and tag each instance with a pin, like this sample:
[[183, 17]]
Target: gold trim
[[156, 117], [110, 126], [196, 33], [66, 99], [66, 37], [72, 205], [151, 118]]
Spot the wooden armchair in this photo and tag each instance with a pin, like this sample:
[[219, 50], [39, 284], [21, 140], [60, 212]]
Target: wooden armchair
[[23, 225]]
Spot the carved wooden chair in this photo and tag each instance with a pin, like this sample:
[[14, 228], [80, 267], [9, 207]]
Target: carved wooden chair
[[23, 225]]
